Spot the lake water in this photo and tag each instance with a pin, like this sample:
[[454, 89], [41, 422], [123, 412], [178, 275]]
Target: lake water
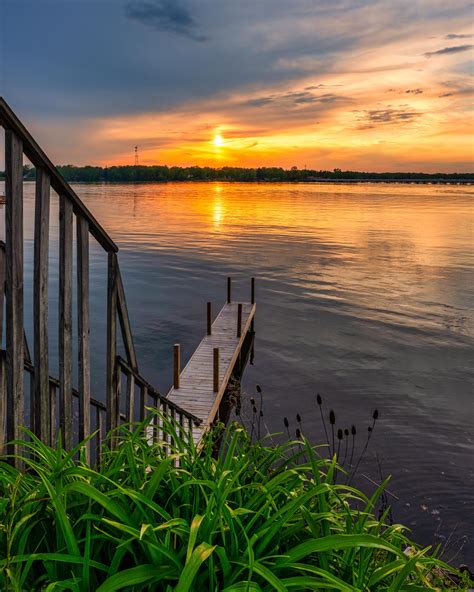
[[364, 294]]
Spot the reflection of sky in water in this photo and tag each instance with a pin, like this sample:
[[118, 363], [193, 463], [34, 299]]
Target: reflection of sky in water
[[364, 294]]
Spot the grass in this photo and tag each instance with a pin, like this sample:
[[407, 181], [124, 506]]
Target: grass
[[254, 518]]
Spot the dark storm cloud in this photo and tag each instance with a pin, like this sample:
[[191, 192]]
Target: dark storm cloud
[[164, 15], [449, 50]]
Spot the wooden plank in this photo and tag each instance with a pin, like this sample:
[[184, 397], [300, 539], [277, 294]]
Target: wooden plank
[[130, 397], [53, 415], [42, 402], [83, 329], [99, 436], [36, 155], [65, 320], [14, 287], [2, 287], [125, 322], [3, 402], [197, 381], [112, 417]]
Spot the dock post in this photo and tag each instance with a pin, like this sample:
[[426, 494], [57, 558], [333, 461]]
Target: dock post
[[176, 365], [209, 322], [216, 370], [239, 320], [252, 300], [229, 290]]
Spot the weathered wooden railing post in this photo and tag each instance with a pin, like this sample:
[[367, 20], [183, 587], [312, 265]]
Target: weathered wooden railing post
[[40, 407], [83, 325], [65, 320], [14, 287], [15, 360], [112, 378], [239, 319], [176, 365], [209, 318], [215, 370]]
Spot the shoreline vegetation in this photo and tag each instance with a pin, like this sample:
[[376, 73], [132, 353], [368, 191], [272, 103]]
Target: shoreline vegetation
[[166, 516], [161, 173]]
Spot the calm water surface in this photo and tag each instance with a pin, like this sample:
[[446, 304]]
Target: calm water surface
[[365, 295]]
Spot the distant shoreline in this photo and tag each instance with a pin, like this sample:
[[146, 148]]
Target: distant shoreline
[[162, 173], [280, 182]]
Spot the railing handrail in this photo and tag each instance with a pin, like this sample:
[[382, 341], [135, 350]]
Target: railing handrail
[[154, 393], [38, 158]]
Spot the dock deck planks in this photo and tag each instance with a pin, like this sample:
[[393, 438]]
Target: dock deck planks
[[195, 393]]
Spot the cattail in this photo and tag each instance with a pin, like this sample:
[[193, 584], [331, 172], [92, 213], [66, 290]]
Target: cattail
[[298, 433], [298, 418], [261, 413], [369, 429], [346, 432], [375, 415], [252, 401], [340, 434], [318, 399], [259, 388], [332, 421], [287, 425], [254, 409], [353, 430]]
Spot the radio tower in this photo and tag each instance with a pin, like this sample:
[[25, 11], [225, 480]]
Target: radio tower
[[136, 155]]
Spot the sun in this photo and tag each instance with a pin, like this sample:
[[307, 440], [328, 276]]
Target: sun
[[218, 140]]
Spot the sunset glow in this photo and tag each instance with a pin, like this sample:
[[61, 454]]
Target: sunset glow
[[303, 84]]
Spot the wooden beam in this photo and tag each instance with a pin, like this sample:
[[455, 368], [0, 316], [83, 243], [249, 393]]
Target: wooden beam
[[65, 320], [42, 402], [36, 155], [176, 365], [239, 320], [112, 417], [3, 403], [215, 369], [125, 322], [209, 318], [14, 287], [2, 287], [83, 329]]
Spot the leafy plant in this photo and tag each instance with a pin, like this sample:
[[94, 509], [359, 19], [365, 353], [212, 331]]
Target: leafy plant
[[167, 516]]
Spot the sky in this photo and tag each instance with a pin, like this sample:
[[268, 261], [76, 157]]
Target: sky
[[352, 84]]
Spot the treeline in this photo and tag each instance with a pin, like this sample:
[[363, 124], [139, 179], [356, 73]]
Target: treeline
[[144, 174]]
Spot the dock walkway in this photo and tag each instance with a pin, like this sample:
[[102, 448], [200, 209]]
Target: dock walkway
[[200, 387]]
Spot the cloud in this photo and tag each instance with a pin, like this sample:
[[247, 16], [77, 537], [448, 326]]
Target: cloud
[[296, 98], [373, 117], [456, 36], [414, 91], [449, 50], [164, 15]]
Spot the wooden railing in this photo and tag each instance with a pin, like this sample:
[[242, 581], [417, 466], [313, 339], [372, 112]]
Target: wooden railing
[[51, 399]]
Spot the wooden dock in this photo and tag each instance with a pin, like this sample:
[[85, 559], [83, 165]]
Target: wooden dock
[[200, 387]]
